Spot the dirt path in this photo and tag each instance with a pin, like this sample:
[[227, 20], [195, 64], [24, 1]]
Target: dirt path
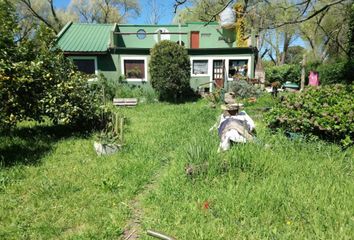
[[133, 230]]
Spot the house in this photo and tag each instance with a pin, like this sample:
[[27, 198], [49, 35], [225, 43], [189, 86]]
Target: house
[[122, 49]]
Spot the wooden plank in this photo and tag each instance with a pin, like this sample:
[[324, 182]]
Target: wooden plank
[[125, 101]]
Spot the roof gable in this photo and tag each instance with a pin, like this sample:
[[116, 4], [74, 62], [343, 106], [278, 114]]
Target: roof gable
[[85, 37]]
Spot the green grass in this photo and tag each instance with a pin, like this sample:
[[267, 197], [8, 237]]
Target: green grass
[[52, 184]]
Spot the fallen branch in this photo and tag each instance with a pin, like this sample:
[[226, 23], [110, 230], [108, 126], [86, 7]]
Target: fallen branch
[[159, 235]]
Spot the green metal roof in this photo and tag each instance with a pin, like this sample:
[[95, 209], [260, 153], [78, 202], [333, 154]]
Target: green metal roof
[[84, 37]]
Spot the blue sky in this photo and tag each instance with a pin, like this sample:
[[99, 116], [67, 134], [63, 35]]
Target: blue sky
[[165, 5]]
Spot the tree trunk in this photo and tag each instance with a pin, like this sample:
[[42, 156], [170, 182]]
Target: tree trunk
[[285, 48], [303, 73]]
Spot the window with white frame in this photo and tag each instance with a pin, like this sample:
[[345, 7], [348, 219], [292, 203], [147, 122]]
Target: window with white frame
[[200, 67], [238, 67], [134, 68]]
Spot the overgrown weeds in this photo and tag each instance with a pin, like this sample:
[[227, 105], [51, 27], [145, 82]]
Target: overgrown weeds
[[273, 188]]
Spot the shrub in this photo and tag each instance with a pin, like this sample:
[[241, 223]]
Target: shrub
[[326, 112], [37, 81], [332, 73], [170, 70], [340, 72], [243, 89], [283, 73]]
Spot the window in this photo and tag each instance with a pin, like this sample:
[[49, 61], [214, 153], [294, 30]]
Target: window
[[134, 69], [238, 67], [200, 67], [85, 65], [141, 34]]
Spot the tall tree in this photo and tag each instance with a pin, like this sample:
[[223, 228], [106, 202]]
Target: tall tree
[[326, 33], [156, 12], [104, 11], [33, 12], [37, 11], [206, 10]]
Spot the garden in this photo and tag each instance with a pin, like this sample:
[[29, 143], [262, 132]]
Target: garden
[[161, 170]]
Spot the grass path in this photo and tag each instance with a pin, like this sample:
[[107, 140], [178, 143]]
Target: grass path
[[133, 229], [276, 188], [174, 136]]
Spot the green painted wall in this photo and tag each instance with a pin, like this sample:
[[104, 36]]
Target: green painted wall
[[210, 36], [109, 65]]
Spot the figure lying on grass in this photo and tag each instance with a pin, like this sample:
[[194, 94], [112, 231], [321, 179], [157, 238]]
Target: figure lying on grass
[[234, 126]]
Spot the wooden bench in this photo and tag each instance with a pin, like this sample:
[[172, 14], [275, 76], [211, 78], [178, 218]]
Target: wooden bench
[[125, 102]]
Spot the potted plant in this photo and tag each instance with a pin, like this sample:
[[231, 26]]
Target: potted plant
[[110, 139]]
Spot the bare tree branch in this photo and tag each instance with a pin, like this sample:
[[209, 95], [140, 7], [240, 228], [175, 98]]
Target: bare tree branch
[[218, 12], [39, 17], [177, 4], [56, 19], [314, 14]]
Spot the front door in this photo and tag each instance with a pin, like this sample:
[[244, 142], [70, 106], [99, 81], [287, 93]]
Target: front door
[[218, 73]]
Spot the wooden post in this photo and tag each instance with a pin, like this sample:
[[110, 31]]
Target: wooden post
[[303, 73], [159, 36], [121, 129]]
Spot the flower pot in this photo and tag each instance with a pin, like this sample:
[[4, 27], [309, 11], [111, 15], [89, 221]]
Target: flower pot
[[106, 149]]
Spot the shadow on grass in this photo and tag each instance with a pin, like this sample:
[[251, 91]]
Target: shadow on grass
[[188, 95], [26, 145]]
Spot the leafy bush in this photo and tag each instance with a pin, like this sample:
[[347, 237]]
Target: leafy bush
[[340, 72], [170, 70], [283, 73], [332, 73], [37, 81], [243, 89], [326, 112]]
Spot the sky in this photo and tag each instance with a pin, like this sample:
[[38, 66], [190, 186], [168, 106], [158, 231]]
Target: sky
[[165, 5]]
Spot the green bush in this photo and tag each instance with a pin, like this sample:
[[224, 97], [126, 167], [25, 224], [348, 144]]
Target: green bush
[[340, 72], [170, 70], [326, 112], [243, 89], [283, 73], [332, 73], [37, 81]]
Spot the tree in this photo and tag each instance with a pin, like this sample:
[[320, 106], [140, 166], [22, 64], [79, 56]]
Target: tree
[[39, 11], [37, 81], [199, 10], [170, 70], [33, 12], [155, 12], [104, 11], [326, 33], [351, 34], [295, 54]]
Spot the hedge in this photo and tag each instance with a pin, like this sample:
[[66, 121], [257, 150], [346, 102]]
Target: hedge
[[326, 112]]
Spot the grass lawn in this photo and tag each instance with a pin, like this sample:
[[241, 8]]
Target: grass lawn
[[52, 184]]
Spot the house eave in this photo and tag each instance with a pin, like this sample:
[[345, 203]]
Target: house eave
[[83, 53], [191, 51]]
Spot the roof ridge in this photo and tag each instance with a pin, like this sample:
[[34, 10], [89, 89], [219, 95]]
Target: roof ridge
[[99, 24]]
